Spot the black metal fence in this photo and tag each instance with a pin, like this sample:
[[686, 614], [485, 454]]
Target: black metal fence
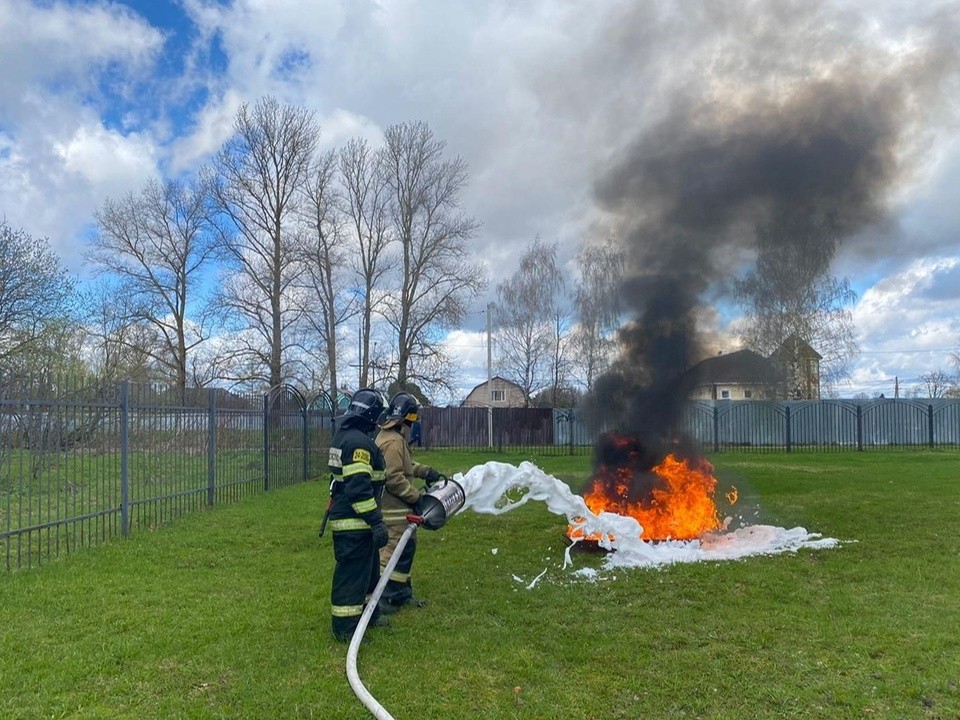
[[81, 464]]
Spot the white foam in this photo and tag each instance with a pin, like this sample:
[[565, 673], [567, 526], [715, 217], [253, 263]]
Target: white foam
[[496, 488]]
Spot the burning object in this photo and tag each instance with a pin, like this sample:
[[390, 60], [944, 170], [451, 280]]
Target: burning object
[[495, 488], [671, 497]]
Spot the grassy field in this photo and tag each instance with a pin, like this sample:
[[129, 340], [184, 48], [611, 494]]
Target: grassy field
[[225, 614]]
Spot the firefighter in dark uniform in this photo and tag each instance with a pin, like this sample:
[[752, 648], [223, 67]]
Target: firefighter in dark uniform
[[356, 467], [400, 497]]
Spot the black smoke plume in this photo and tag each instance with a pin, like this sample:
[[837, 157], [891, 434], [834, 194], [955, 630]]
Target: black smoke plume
[[812, 143]]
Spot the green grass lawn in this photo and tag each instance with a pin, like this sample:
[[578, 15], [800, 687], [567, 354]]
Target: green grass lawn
[[225, 614]]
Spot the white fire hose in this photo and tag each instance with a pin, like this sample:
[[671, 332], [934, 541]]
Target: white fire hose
[[368, 700], [440, 502]]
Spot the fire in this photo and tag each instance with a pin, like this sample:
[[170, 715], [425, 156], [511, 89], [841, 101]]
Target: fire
[[678, 502]]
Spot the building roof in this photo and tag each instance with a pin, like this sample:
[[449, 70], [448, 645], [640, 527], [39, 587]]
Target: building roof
[[740, 367], [794, 346], [495, 377]]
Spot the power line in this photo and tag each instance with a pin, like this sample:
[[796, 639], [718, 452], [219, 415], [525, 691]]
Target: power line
[[898, 352]]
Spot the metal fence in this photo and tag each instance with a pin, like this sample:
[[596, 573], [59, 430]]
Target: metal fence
[[546, 431], [824, 425], [717, 426], [82, 464]]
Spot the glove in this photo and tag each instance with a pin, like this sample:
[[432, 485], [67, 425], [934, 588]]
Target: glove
[[380, 534], [432, 477]]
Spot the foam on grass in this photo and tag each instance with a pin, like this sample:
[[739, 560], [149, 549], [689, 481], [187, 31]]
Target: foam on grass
[[496, 488]]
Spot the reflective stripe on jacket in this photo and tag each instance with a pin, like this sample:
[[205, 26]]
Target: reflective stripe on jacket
[[356, 466]]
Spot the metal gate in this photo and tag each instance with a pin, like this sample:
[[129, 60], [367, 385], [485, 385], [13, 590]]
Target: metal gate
[[284, 437]]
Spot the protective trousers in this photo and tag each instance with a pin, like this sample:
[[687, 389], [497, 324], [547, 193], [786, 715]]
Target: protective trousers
[[355, 577], [399, 589]]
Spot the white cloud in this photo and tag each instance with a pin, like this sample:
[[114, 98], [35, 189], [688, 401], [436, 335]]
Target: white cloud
[[911, 305], [907, 324], [213, 125], [469, 349], [58, 158], [50, 185], [536, 96], [63, 47], [341, 126], [108, 160]]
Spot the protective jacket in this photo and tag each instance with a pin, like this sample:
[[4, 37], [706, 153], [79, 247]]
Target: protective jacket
[[399, 495], [356, 468], [399, 492]]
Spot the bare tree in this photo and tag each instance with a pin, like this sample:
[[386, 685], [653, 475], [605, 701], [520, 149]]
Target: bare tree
[[436, 275], [155, 244], [936, 384], [525, 314], [561, 338], [257, 183], [601, 269], [562, 346], [792, 294], [36, 293], [325, 262], [366, 200], [116, 347]]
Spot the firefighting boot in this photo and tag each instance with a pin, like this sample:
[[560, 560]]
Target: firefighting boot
[[380, 622]]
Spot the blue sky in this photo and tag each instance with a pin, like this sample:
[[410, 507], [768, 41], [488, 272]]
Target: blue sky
[[538, 97]]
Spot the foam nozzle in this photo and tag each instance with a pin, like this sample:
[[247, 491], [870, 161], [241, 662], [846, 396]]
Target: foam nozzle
[[440, 502]]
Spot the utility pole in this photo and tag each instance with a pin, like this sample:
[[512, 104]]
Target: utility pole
[[896, 386], [490, 374]]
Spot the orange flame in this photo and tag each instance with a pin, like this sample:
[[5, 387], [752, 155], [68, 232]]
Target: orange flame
[[681, 507]]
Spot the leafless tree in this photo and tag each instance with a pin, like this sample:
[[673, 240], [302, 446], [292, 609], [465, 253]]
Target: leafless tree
[[936, 384], [366, 202], [257, 183], [525, 315], [791, 293], [116, 346], [436, 275], [954, 390], [601, 269], [328, 306], [561, 338], [36, 293], [562, 349], [155, 244]]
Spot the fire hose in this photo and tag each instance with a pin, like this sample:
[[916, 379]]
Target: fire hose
[[438, 503]]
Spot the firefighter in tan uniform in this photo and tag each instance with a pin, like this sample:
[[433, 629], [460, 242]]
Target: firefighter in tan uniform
[[400, 497]]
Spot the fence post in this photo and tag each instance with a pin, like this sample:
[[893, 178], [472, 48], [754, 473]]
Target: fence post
[[571, 418], [266, 442], [716, 429], [860, 428], [930, 423], [211, 446], [306, 443], [125, 458], [789, 439]]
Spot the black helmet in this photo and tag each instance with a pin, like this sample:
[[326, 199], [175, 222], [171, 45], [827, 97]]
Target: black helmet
[[403, 407], [367, 404]]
